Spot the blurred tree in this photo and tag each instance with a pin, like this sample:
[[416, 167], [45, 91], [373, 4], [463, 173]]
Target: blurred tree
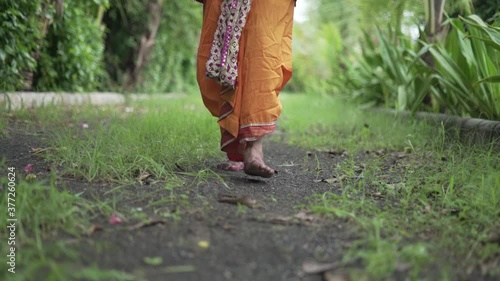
[[148, 41], [357, 16], [172, 66]]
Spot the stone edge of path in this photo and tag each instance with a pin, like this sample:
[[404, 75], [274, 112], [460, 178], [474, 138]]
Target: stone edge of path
[[17, 100], [480, 131]]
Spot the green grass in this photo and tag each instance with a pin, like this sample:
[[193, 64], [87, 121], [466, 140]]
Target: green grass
[[43, 211], [158, 138], [116, 144], [431, 213], [335, 123]]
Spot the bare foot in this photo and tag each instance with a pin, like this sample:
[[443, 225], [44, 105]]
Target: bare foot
[[231, 166], [259, 169], [254, 161]]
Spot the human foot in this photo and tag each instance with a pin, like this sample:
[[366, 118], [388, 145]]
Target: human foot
[[259, 169], [231, 166], [253, 160]]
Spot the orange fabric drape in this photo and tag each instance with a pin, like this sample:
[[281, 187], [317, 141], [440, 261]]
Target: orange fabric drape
[[264, 67]]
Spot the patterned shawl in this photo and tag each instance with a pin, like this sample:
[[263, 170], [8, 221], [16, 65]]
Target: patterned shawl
[[222, 65]]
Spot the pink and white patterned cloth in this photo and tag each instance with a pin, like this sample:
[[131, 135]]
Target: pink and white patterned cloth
[[222, 65]]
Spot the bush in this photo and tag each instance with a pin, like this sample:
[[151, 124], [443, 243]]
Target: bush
[[463, 82], [72, 54], [19, 36]]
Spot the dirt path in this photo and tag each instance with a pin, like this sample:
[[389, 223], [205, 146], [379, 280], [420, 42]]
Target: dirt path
[[173, 230], [211, 240]]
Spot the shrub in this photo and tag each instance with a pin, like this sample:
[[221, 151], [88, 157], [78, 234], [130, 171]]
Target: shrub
[[72, 54], [464, 81], [19, 36]]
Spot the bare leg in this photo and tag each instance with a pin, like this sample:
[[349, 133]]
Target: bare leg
[[254, 160]]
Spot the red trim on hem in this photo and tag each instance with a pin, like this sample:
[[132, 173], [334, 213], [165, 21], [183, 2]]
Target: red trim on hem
[[256, 131], [235, 157]]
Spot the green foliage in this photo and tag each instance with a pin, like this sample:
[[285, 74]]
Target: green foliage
[[317, 52], [173, 62], [19, 34], [469, 56], [71, 58], [171, 66], [125, 22], [461, 83], [355, 17], [459, 7], [388, 74]]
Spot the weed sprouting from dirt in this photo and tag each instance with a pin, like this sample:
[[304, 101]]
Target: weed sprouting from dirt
[[423, 204], [417, 194], [41, 210], [165, 138]]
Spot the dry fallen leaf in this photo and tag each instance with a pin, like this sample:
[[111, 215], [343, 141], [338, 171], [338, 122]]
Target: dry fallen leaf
[[149, 222], [312, 267], [301, 216], [37, 150], [145, 177], [281, 220], [304, 216], [232, 199], [332, 276], [94, 228], [332, 180], [400, 155], [427, 209]]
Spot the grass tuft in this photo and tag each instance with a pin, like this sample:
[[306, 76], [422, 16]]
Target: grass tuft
[[437, 204], [162, 138]]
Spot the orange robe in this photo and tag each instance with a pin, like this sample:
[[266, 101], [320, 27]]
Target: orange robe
[[252, 108]]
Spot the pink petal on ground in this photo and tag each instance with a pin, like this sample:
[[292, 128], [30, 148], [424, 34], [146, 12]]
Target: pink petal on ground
[[114, 219], [28, 168]]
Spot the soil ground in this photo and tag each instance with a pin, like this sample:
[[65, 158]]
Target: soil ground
[[268, 242]]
